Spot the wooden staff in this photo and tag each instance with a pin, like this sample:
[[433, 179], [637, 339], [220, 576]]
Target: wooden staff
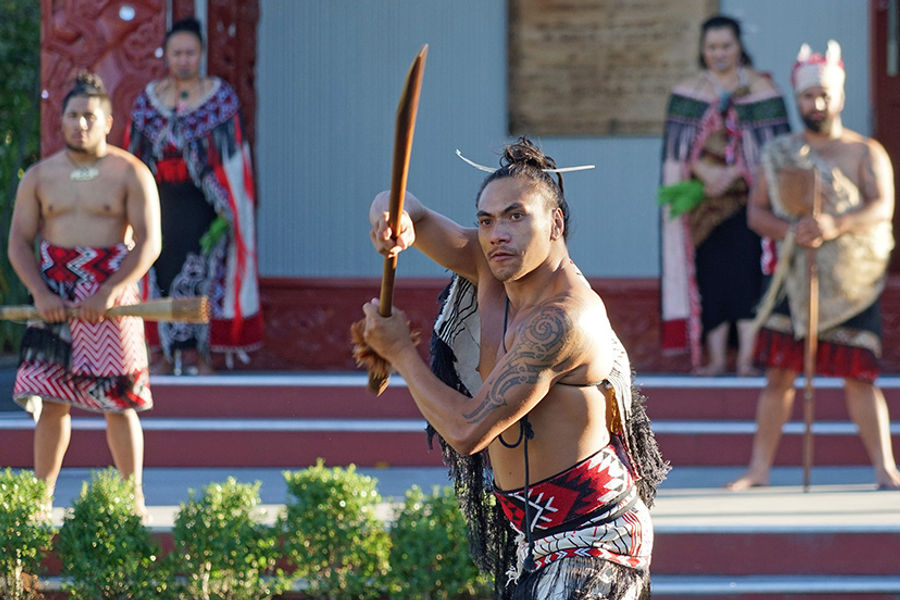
[[185, 310], [378, 368], [812, 342]]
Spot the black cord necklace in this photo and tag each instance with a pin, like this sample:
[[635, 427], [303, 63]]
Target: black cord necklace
[[525, 433]]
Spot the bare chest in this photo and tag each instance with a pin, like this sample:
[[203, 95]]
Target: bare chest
[[491, 308], [846, 158], [75, 192]]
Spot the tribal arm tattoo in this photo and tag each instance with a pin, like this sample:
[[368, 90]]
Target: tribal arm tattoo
[[543, 343]]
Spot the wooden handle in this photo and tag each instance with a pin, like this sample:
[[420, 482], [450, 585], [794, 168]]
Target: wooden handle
[[185, 310], [407, 109], [405, 126]]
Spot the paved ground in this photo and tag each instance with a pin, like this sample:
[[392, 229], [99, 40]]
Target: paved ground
[[692, 499]]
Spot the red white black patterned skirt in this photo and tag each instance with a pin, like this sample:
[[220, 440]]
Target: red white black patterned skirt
[[100, 367], [591, 509]]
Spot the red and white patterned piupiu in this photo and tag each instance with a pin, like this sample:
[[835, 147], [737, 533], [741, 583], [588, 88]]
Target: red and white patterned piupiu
[[591, 509], [106, 368]]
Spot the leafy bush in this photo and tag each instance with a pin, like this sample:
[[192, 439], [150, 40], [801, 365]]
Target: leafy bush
[[333, 536], [20, 46], [430, 551], [104, 547], [221, 548], [25, 531]]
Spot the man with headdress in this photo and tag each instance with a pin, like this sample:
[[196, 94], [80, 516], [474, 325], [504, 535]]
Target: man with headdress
[[95, 211], [851, 234], [573, 461]]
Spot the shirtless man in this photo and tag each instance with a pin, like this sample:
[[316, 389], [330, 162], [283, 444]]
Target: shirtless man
[[853, 239], [95, 210], [546, 342]]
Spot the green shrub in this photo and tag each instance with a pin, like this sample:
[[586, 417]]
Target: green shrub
[[20, 141], [221, 548], [430, 551], [25, 531], [332, 534], [105, 549]]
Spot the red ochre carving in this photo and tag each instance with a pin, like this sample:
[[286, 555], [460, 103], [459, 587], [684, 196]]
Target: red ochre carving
[[91, 34]]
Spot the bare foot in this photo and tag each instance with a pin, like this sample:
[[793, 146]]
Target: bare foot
[[140, 504], [888, 480], [747, 481], [195, 364], [161, 367], [748, 371], [710, 370], [204, 368]]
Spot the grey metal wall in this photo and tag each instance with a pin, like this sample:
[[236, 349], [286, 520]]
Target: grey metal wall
[[329, 76]]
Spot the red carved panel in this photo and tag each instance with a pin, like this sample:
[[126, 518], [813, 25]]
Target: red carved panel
[[231, 52], [126, 53], [182, 9], [105, 37], [308, 321]]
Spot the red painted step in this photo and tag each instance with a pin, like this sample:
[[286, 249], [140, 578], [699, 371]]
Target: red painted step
[[345, 396], [783, 553], [309, 397], [683, 398], [291, 420], [402, 444]]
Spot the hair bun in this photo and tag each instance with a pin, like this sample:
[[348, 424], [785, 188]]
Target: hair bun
[[89, 81], [525, 152]]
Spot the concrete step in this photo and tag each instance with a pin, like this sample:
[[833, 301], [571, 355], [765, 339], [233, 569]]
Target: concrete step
[[776, 587], [287, 442], [735, 398], [345, 396], [289, 419], [310, 396], [667, 587]]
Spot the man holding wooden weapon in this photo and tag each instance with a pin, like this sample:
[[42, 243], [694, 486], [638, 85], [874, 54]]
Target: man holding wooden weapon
[[95, 210], [827, 195], [553, 408]]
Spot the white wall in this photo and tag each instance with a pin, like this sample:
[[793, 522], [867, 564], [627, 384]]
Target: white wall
[[329, 77]]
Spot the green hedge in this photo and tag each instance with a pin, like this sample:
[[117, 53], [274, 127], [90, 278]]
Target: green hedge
[[104, 547], [25, 531], [335, 539], [20, 34], [221, 549]]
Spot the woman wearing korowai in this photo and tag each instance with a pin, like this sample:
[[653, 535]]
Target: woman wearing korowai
[[716, 124], [186, 127]]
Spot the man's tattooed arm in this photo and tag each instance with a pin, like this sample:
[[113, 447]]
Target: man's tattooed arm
[[543, 346]]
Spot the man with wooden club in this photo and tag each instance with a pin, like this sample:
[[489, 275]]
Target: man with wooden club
[[553, 408], [94, 210], [827, 195]]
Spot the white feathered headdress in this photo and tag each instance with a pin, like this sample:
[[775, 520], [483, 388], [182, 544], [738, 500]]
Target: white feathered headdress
[[815, 69]]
